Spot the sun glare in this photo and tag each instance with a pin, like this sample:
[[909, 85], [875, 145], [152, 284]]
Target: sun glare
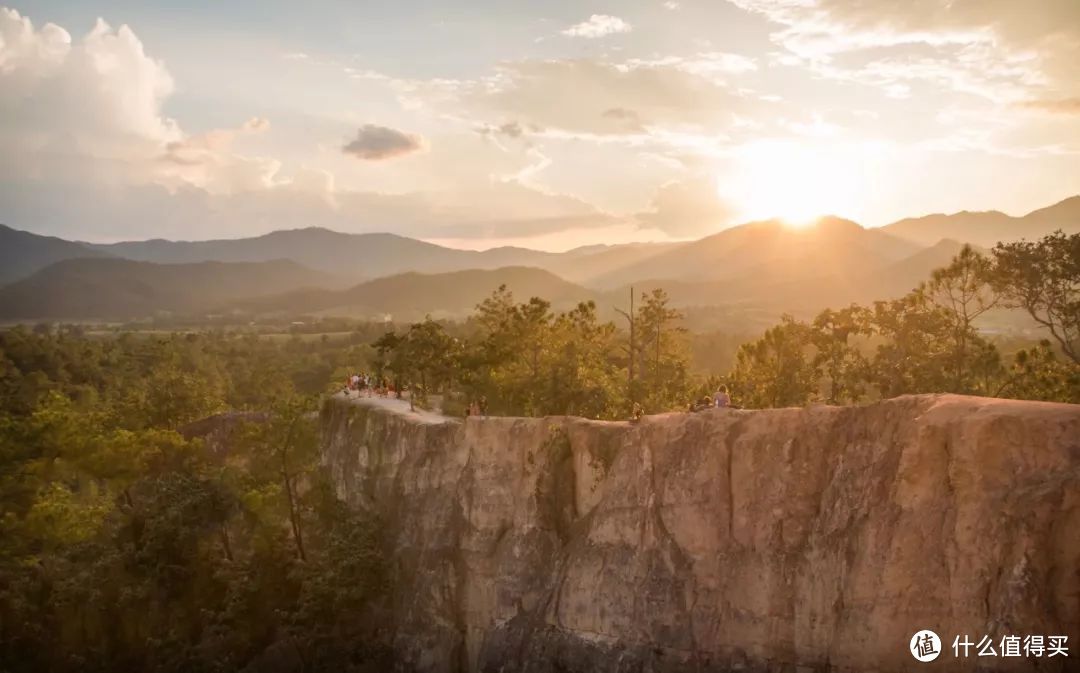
[[794, 182]]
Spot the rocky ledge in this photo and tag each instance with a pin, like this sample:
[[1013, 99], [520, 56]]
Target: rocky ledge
[[812, 539]]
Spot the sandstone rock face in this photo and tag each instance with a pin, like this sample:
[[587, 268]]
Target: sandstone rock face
[[817, 539]]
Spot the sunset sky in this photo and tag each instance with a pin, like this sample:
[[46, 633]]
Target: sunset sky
[[549, 124]]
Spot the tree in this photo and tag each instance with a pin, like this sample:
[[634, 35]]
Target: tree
[[1038, 374], [661, 354], [583, 381], [281, 453], [914, 353], [845, 368], [1043, 278], [631, 349], [431, 355], [963, 290], [776, 370]]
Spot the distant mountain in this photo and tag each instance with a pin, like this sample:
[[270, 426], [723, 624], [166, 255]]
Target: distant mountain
[[351, 255], [596, 266], [22, 253], [367, 256], [411, 296], [769, 251], [120, 289], [988, 228]]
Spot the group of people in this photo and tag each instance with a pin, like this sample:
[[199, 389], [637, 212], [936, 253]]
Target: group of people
[[477, 407], [368, 385]]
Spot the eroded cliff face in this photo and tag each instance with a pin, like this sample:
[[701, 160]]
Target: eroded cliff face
[[814, 539]]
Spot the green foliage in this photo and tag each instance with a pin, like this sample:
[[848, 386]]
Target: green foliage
[[776, 370], [662, 355], [928, 341], [1038, 373], [128, 547], [526, 360], [1043, 278]]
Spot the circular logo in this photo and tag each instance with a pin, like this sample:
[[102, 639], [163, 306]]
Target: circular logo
[[925, 645]]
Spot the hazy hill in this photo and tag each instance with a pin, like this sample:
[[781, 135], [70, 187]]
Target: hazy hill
[[22, 253], [351, 255], [366, 256], [411, 296], [596, 266], [988, 228], [769, 251], [120, 289], [764, 294]]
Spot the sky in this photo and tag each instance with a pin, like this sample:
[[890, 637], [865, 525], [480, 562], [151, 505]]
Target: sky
[[552, 124]]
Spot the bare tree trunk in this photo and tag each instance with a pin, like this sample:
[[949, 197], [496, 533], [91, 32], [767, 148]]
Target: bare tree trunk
[[294, 517], [633, 348], [226, 545]]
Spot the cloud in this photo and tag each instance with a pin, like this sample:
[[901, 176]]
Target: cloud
[[598, 25], [1067, 106], [91, 110], [256, 125], [87, 151], [999, 50], [376, 143], [628, 119], [208, 161], [572, 95], [671, 5], [101, 93], [687, 208], [512, 129]]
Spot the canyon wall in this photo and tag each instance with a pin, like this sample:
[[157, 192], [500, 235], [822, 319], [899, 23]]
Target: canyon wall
[[816, 539]]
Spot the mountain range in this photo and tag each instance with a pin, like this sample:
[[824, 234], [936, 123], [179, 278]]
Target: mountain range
[[987, 228], [122, 289], [763, 266]]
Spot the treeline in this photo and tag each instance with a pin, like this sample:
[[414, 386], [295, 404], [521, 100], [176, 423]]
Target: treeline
[[524, 359], [128, 543], [928, 341]]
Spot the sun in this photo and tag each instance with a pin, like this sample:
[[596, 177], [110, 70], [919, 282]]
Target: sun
[[793, 181]]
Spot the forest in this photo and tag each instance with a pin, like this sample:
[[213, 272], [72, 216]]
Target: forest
[[130, 543], [524, 359]]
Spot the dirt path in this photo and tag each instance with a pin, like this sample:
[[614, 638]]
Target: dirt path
[[396, 406]]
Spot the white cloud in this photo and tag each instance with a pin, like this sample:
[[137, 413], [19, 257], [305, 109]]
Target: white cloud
[[598, 25], [102, 94], [999, 50]]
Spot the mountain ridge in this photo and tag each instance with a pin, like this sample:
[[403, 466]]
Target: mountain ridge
[[120, 289]]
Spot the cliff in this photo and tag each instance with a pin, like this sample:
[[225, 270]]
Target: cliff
[[816, 539]]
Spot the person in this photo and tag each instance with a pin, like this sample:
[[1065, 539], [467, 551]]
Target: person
[[721, 399]]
